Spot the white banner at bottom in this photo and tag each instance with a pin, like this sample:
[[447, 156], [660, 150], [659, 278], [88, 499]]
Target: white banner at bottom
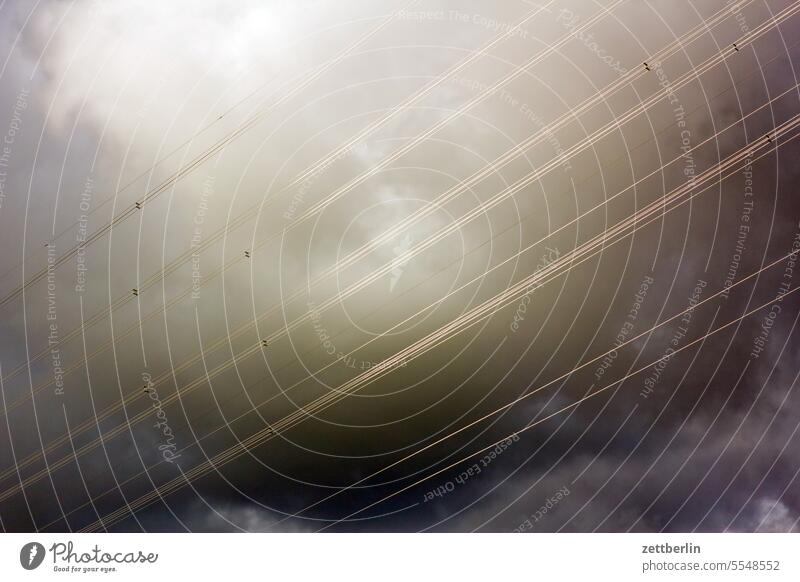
[[356, 557]]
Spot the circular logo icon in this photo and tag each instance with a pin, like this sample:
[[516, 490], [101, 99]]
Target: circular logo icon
[[31, 555]]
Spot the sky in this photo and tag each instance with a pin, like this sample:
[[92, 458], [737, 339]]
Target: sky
[[399, 266]]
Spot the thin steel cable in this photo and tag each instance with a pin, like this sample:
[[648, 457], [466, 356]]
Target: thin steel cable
[[487, 309]]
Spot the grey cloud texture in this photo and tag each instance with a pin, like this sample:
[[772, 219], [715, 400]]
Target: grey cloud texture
[[96, 92]]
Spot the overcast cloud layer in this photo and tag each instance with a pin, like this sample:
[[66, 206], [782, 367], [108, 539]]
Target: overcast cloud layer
[[284, 266]]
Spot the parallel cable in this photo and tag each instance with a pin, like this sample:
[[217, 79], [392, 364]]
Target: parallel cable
[[199, 160], [467, 320], [578, 402], [254, 210], [329, 303], [562, 378], [405, 223]]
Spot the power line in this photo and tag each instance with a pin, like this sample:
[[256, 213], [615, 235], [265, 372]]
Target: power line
[[254, 210], [563, 409], [283, 331], [431, 207], [483, 311], [196, 162]]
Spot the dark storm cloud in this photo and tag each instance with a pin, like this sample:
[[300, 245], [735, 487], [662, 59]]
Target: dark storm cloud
[[704, 441]]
